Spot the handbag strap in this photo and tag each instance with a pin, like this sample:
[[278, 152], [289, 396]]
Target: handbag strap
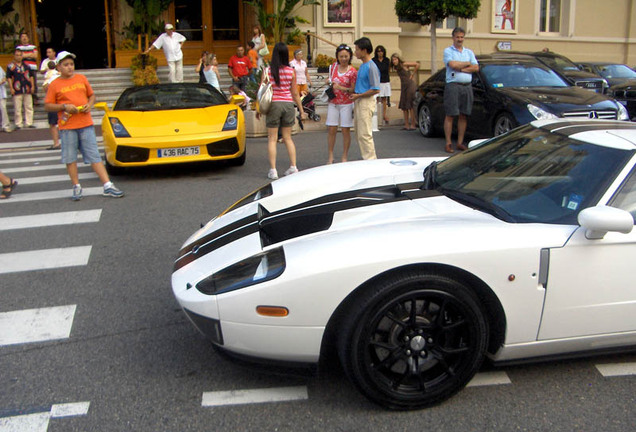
[[266, 77]]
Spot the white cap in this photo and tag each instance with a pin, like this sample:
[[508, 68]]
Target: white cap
[[169, 26], [62, 55]]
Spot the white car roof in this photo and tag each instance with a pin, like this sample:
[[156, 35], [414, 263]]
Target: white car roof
[[607, 133]]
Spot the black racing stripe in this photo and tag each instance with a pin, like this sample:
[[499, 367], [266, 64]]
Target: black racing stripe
[[302, 219], [297, 222], [216, 239]]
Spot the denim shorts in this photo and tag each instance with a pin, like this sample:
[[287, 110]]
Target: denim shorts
[[81, 140]]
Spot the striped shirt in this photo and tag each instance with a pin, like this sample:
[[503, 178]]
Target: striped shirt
[[282, 93]]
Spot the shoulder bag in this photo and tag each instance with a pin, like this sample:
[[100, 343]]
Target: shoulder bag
[[265, 93]]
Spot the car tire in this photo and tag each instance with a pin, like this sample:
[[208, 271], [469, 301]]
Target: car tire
[[425, 121], [503, 123], [413, 339], [113, 170], [240, 161]]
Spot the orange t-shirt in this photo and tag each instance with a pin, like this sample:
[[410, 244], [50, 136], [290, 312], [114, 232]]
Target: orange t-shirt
[[73, 91], [253, 56]]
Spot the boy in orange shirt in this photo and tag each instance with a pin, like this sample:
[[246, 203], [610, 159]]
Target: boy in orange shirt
[[253, 56], [72, 97]]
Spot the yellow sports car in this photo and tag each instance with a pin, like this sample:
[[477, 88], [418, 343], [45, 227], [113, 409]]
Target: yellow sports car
[[172, 123]]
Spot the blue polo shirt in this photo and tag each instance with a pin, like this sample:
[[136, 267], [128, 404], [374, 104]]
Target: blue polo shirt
[[368, 77], [453, 54]]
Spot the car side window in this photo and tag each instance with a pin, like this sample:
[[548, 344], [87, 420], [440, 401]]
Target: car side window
[[625, 199]]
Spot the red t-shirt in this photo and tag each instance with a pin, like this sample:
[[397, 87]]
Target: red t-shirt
[[73, 91], [240, 65]]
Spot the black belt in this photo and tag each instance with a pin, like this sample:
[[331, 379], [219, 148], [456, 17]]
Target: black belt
[[458, 83]]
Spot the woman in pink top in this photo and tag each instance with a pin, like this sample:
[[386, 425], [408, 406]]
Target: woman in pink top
[[282, 112], [340, 109]]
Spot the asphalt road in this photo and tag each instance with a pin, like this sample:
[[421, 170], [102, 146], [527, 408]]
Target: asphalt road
[[130, 361]]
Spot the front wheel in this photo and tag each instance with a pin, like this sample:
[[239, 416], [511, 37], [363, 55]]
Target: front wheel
[[112, 169], [413, 340], [503, 123], [425, 121]]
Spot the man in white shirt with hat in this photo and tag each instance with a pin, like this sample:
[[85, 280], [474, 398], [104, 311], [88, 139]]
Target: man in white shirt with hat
[[171, 42]]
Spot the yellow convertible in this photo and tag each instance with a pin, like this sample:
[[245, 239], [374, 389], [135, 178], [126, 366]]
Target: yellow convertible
[[172, 123]]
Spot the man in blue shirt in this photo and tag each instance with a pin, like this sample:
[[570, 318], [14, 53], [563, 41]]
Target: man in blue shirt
[[367, 86], [458, 94]]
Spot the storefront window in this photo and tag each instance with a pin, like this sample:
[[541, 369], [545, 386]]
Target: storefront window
[[188, 19]]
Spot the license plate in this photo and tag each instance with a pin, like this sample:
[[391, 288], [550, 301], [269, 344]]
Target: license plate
[[179, 151]]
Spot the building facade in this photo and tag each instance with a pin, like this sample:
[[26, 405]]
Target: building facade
[[584, 30]]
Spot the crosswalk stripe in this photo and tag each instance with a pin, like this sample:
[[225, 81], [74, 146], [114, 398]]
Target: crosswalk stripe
[[241, 397], [29, 160], [70, 409], [38, 422], [65, 193], [38, 152], [617, 369], [36, 325], [54, 178], [35, 168], [489, 378], [49, 219], [44, 259]]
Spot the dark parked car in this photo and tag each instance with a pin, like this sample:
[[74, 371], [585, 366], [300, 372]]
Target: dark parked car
[[614, 73], [510, 92], [626, 94], [567, 70]]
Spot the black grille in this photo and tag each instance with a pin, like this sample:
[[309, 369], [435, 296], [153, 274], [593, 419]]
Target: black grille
[[224, 147], [131, 154]]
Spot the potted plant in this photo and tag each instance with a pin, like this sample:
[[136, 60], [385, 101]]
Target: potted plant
[[144, 70], [145, 23], [323, 62]]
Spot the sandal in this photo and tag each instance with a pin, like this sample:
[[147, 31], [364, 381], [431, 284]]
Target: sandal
[[7, 193], [448, 148]]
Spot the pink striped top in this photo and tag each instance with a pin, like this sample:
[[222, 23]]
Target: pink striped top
[[282, 93]]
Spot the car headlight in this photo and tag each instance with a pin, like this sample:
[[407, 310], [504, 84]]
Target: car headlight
[[540, 114], [622, 112], [251, 271], [231, 121], [118, 128]]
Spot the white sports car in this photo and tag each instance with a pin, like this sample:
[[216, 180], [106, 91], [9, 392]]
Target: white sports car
[[416, 270]]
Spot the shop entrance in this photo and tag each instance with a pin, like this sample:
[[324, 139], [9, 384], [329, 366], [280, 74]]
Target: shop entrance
[[78, 26]]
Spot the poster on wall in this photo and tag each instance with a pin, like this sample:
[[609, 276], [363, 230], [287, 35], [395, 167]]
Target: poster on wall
[[504, 16], [339, 13]]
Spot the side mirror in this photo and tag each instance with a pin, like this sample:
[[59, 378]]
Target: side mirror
[[600, 220], [101, 106], [237, 100]]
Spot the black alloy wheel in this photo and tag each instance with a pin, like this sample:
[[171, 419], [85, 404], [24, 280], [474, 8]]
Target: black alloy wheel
[[414, 341]]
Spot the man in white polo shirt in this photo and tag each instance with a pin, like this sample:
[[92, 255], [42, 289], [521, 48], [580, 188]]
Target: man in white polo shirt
[[171, 42]]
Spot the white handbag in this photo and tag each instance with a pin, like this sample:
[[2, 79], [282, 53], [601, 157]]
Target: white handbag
[[265, 93]]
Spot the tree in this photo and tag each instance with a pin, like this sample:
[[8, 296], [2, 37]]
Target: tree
[[283, 16], [431, 11]]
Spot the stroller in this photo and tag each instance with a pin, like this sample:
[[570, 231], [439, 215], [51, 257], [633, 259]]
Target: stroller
[[309, 106]]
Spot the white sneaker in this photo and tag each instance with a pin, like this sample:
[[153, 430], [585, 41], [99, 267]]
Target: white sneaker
[[272, 174], [291, 170]]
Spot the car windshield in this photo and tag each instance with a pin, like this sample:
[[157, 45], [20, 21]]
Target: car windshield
[[529, 175], [169, 97], [559, 63], [616, 71], [520, 75]]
